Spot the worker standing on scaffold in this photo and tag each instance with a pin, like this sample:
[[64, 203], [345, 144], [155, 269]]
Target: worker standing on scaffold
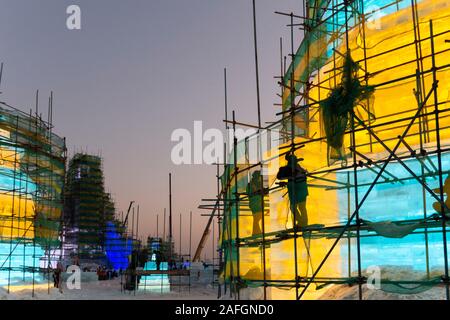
[[256, 198], [297, 189]]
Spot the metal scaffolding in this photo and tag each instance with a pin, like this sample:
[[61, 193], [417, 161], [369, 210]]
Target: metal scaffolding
[[32, 165], [400, 146]]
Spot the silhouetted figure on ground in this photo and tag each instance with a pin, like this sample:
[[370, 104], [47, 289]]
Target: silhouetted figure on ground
[[158, 260]]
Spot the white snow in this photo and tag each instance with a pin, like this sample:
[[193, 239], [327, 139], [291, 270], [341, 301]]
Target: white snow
[[109, 290], [201, 289], [393, 273], [345, 292]]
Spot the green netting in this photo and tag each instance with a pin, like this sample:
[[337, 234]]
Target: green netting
[[88, 206], [311, 54], [392, 229], [33, 167], [338, 107], [411, 288]]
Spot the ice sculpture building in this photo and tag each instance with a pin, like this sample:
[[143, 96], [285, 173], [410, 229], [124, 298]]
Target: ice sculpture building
[[365, 109], [32, 168]]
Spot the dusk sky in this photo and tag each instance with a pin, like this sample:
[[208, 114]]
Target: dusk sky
[[137, 70]]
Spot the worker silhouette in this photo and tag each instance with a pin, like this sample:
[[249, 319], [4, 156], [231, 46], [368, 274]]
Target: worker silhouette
[[297, 189], [446, 188], [255, 192], [158, 259]]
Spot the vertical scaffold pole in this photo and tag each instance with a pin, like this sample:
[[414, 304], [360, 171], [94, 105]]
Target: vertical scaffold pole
[[13, 206], [420, 90], [181, 256], [260, 156], [49, 197], [138, 245], [226, 97], [355, 166], [439, 158], [170, 217], [36, 189], [180, 236], [218, 222], [236, 204], [164, 225], [133, 252], [132, 227], [227, 222], [190, 248], [137, 226], [220, 252], [349, 237], [213, 238], [292, 180], [423, 121], [366, 70], [27, 181]]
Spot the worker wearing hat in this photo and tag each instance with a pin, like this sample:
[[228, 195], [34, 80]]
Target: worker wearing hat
[[255, 197], [297, 189]]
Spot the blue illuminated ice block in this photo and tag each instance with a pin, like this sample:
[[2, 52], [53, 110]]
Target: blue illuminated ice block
[[117, 248], [156, 282], [17, 261], [394, 201]]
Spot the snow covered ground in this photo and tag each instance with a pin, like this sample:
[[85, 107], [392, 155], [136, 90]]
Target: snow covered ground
[[201, 289], [393, 273], [109, 290], [344, 292], [91, 289]]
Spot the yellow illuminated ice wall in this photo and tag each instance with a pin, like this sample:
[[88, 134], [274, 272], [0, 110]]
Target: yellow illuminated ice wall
[[32, 166], [392, 42]]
